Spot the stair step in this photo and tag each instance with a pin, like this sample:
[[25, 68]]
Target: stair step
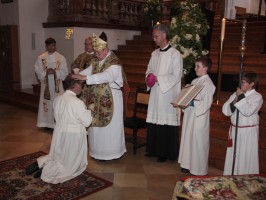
[[135, 65], [133, 53], [235, 48], [236, 34], [143, 37], [146, 43], [231, 69], [135, 70], [135, 48], [237, 60], [251, 57], [233, 44], [132, 59], [26, 99]]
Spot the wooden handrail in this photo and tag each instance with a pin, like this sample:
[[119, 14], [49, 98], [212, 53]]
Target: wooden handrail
[[124, 14], [120, 12]]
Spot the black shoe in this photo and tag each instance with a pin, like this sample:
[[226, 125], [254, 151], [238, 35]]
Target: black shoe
[[186, 171], [117, 158], [48, 129], [161, 159], [38, 173], [148, 155], [32, 168]]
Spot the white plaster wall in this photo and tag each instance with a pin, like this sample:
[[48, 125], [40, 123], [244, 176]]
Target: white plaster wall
[[32, 13], [9, 13], [242, 3], [63, 46], [115, 37], [29, 16], [74, 46], [252, 6]]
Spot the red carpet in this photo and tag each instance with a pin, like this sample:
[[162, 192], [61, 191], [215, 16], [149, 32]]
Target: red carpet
[[15, 184]]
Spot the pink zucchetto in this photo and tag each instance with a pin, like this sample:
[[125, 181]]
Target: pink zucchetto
[[151, 80]]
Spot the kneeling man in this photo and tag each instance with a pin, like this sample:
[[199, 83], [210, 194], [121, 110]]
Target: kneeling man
[[68, 153]]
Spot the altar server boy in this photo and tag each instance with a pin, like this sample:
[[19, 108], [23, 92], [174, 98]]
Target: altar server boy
[[248, 102], [194, 147]]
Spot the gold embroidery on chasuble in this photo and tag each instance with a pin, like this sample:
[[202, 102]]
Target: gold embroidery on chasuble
[[82, 61], [100, 98]]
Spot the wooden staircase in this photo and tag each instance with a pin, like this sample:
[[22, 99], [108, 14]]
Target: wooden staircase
[[26, 98], [135, 56]]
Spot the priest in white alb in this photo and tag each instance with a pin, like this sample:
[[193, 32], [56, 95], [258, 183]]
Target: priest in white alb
[[165, 66], [68, 152], [51, 69]]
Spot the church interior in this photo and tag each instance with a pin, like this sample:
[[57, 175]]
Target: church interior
[[25, 26]]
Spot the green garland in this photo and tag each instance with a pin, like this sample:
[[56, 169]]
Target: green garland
[[153, 10], [186, 30]]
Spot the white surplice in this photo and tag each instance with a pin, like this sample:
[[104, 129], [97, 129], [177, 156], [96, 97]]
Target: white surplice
[[45, 112], [107, 143], [247, 158], [168, 67], [194, 147], [68, 153]]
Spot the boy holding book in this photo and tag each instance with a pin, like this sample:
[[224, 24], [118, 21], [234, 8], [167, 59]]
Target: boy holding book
[[194, 147], [248, 102]]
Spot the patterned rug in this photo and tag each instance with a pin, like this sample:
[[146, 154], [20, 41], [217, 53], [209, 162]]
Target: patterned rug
[[15, 184]]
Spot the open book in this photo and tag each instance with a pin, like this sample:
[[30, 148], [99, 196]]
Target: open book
[[184, 97]]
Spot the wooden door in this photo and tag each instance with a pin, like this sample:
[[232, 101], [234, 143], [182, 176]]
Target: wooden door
[[9, 58]]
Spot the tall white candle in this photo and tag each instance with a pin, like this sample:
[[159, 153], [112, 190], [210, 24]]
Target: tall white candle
[[223, 28]]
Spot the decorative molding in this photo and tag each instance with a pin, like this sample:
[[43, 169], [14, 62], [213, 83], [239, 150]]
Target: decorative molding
[[6, 1], [90, 25]]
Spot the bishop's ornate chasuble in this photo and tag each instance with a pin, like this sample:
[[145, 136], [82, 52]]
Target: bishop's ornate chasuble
[[51, 85], [100, 99], [82, 62], [247, 149], [194, 146], [106, 135]]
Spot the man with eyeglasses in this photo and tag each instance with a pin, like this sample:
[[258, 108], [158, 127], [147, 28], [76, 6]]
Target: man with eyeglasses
[[163, 78]]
